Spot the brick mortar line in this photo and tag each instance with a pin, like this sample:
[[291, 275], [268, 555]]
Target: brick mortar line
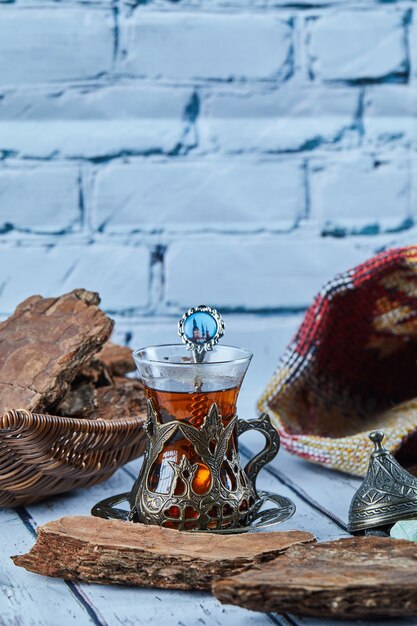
[[397, 148]]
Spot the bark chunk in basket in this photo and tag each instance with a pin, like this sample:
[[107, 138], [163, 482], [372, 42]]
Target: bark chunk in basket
[[109, 551], [94, 372], [80, 401], [357, 578], [117, 359], [44, 344], [126, 398]]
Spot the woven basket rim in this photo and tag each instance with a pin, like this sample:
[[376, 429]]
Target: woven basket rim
[[17, 418]]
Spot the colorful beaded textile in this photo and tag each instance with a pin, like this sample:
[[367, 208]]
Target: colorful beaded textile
[[352, 368]]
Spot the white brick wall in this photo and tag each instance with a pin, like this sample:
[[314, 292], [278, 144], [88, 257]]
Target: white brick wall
[[193, 45], [288, 118], [351, 45], [94, 121], [230, 152], [40, 199], [54, 44], [221, 195], [389, 116], [343, 194], [118, 272], [279, 272]]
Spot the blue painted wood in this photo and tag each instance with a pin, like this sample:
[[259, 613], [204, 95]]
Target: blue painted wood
[[131, 605], [25, 598]]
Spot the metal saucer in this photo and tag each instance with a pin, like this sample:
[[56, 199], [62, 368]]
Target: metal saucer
[[282, 509]]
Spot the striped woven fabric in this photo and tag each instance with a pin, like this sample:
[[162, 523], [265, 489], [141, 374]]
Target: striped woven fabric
[[352, 367]]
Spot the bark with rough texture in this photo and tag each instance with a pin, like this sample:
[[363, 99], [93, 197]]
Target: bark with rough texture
[[117, 359], [109, 551], [358, 578], [80, 401], [101, 390], [94, 372], [125, 398], [44, 344]]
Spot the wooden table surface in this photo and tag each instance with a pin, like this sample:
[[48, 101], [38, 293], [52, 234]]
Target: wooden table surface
[[322, 499]]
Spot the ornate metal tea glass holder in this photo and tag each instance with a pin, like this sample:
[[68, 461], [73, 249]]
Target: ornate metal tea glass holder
[[229, 498], [387, 495], [191, 477]]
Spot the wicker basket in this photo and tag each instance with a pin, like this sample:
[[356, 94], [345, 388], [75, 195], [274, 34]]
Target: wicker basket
[[43, 455]]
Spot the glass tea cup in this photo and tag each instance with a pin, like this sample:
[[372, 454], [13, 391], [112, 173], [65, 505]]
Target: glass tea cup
[[191, 477]]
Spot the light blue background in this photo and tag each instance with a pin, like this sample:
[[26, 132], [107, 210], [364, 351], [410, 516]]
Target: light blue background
[[230, 152]]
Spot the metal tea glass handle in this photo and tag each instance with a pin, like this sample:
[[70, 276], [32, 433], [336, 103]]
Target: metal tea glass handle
[[270, 451]]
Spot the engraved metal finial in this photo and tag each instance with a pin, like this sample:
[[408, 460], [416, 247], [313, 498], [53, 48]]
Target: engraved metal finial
[[377, 437], [388, 493]]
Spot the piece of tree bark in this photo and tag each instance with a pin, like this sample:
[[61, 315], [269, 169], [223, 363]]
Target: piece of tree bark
[[109, 551], [125, 398], [80, 401], [358, 578], [117, 359], [81, 398], [94, 372], [44, 344]]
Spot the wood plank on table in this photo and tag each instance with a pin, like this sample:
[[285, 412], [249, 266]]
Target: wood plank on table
[[141, 606], [331, 489], [305, 518], [27, 599], [327, 491], [147, 606], [315, 621], [307, 485]]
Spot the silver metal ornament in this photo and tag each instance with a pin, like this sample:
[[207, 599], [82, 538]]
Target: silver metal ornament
[[230, 499], [200, 328], [388, 493]]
